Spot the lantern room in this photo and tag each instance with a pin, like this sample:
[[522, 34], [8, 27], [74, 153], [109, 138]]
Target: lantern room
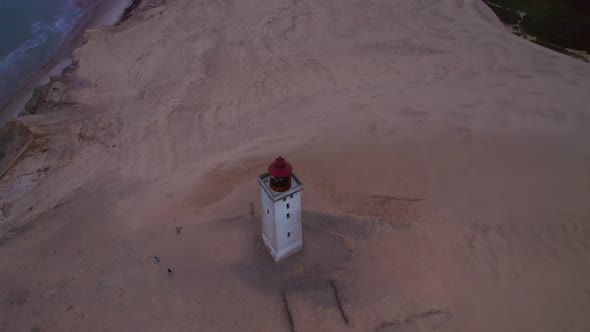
[[280, 175]]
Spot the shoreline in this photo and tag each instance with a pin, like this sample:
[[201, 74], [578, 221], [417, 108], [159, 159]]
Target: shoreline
[[105, 13]]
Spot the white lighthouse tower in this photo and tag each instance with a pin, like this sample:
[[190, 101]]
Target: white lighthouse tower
[[281, 210]]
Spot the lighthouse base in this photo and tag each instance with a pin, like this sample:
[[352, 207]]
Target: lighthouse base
[[278, 255]]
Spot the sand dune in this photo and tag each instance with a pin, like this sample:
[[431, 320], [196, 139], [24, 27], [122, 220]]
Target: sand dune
[[446, 166]]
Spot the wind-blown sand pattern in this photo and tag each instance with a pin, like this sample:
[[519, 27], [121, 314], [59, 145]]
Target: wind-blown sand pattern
[[446, 165]]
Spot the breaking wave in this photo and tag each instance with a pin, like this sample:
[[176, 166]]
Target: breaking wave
[[46, 35], [49, 24]]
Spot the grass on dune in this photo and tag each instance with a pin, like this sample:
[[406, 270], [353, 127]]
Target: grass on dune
[[561, 23]]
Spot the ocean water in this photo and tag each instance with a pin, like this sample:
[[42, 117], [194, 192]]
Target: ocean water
[[30, 33]]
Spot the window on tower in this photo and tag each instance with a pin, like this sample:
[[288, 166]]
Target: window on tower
[[288, 215], [267, 211], [289, 234], [288, 206]]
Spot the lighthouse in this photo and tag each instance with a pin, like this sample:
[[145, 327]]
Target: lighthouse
[[281, 209]]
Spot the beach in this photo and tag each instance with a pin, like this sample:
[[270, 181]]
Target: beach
[[85, 15], [445, 163]]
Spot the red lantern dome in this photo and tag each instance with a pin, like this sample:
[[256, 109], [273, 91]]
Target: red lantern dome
[[280, 175], [280, 168]]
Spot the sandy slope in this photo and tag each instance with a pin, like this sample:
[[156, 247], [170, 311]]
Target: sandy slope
[[172, 115]]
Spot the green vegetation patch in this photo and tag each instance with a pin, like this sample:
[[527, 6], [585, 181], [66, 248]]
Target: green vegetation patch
[[563, 23], [508, 16]]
